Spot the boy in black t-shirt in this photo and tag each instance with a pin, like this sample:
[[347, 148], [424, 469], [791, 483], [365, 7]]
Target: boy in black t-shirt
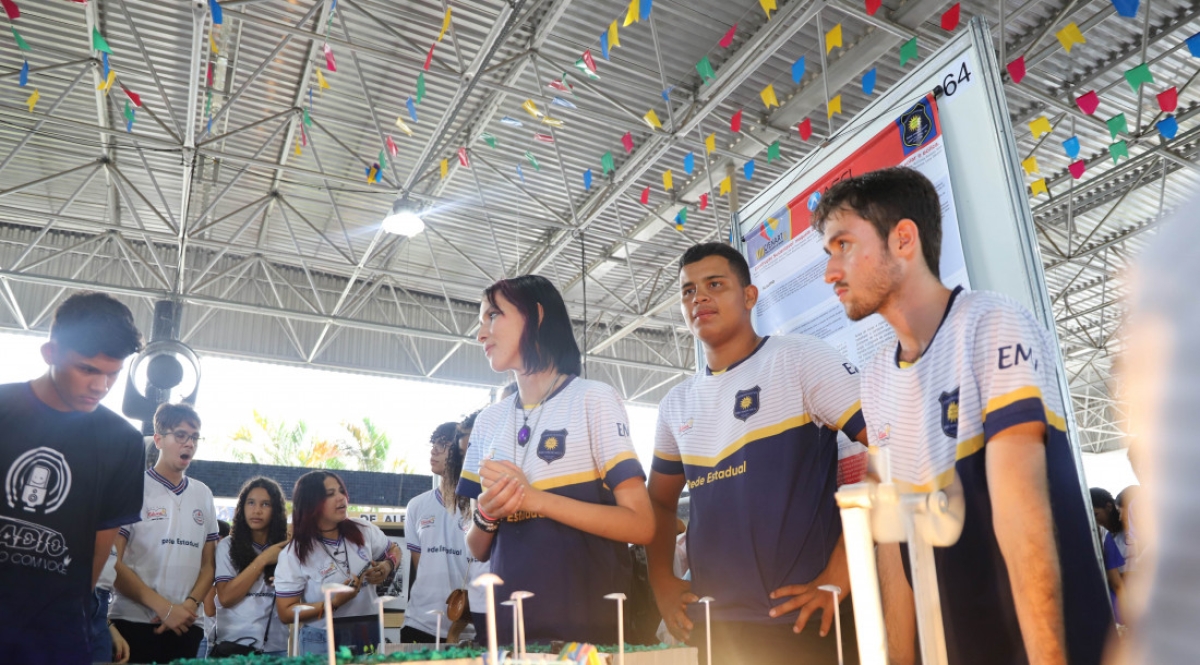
[[72, 473]]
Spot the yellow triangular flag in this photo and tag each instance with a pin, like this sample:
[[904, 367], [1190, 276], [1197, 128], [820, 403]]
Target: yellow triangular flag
[[531, 108], [631, 16], [1038, 187], [212, 44], [106, 84], [767, 6], [1040, 126], [651, 117], [725, 183], [614, 38], [768, 96], [710, 143], [445, 25], [445, 168], [1070, 36], [835, 105], [403, 126], [33, 100], [668, 180], [833, 38], [1030, 165], [297, 147], [321, 82]]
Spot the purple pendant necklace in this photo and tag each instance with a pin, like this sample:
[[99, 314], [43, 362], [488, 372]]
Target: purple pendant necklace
[[526, 432]]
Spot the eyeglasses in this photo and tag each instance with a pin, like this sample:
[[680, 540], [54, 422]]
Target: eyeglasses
[[181, 436], [440, 445]]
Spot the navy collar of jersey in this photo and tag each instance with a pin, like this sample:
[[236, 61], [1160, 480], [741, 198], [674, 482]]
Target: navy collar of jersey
[[516, 398], [332, 542], [945, 315], [177, 489], [708, 370], [437, 494]]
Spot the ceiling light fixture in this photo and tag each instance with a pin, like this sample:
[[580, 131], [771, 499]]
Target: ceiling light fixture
[[404, 219]]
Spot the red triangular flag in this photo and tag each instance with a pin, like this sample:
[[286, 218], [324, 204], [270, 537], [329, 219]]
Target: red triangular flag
[[429, 58], [627, 141], [11, 9], [645, 196], [704, 201], [391, 146], [735, 123], [806, 129], [589, 61], [1168, 100], [210, 75], [728, 38], [1088, 102], [1077, 169], [133, 97], [462, 158], [1016, 69], [950, 18], [873, 6]]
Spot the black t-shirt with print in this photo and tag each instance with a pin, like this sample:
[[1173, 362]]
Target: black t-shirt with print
[[66, 476]]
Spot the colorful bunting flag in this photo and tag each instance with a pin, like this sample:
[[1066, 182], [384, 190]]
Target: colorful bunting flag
[[23, 79], [1040, 126], [726, 184], [868, 82], [1071, 147], [391, 146], [1168, 127], [835, 106], [627, 142], [297, 150], [98, 42], [531, 108], [373, 173], [606, 163], [705, 69], [11, 9], [587, 180], [488, 139], [129, 116], [543, 137], [727, 40], [689, 163], [1038, 187], [704, 201], [768, 6], [33, 100], [833, 38], [511, 122], [1139, 75], [321, 82], [1126, 8], [429, 57], [533, 160], [463, 160], [668, 180], [604, 45], [212, 44], [214, 8], [1077, 169], [873, 6], [1016, 69], [1069, 36], [445, 25], [681, 218], [768, 96], [104, 62], [589, 61], [666, 94], [107, 83], [773, 152], [444, 167], [644, 199], [403, 126], [382, 159], [1193, 44], [590, 72], [631, 14], [1088, 102], [614, 37], [805, 128], [1118, 150], [710, 143], [735, 123], [1168, 99], [1030, 165], [651, 119], [133, 96], [646, 6], [798, 70], [520, 174], [950, 18], [567, 104], [1117, 125], [21, 43], [748, 170], [412, 108], [908, 51], [420, 87]]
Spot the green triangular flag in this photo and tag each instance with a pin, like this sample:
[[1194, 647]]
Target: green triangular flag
[[128, 111], [682, 216], [21, 44], [582, 66], [1118, 150], [208, 102], [1139, 75], [532, 160], [606, 163], [382, 161], [488, 139], [1117, 125], [705, 68], [307, 119], [420, 87], [908, 51], [98, 42], [773, 152]]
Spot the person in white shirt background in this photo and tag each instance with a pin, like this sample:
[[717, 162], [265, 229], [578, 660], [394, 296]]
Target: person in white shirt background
[[328, 547], [476, 596]]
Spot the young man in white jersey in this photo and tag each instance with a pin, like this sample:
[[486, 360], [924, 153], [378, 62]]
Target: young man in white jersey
[[754, 438], [166, 562], [968, 397]]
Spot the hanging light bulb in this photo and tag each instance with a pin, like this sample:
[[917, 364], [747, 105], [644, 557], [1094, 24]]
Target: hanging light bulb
[[404, 219]]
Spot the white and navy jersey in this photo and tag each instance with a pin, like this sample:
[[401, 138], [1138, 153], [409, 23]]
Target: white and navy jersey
[[758, 445], [246, 621], [989, 367], [579, 447], [332, 561], [439, 536], [165, 549]]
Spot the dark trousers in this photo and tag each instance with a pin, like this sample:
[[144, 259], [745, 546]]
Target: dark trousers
[[147, 647], [736, 643], [410, 635]]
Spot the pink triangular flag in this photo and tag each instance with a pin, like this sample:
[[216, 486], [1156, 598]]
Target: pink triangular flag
[[429, 56], [727, 40], [391, 146], [1016, 69], [704, 201], [806, 129], [589, 61], [873, 6], [210, 75], [330, 63], [627, 141], [950, 18], [1077, 169], [1168, 100], [462, 158], [735, 123], [645, 199], [1088, 102]]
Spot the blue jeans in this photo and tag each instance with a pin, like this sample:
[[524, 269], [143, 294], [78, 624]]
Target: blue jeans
[[102, 646]]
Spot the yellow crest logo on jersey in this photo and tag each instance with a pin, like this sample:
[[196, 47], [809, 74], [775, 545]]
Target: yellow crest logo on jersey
[[746, 403], [552, 446], [949, 403]]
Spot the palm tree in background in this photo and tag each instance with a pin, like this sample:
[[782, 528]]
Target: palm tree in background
[[281, 444]]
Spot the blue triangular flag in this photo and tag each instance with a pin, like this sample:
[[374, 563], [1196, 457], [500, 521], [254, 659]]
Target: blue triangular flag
[[748, 169], [24, 80], [1168, 127], [689, 163], [604, 44], [559, 101], [1126, 8], [1071, 145], [412, 109], [869, 82], [215, 8], [104, 59], [666, 94], [332, 7], [646, 6], [1193, 43], [511, 122], [798, 70], [310, 97], [209, 129], [587, 180], [129, 126], [520, 174]]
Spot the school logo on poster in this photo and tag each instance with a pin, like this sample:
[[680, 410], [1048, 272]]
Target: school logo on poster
[[916, 126], [553, 445], [38, 481], [746, 403], [949, 402]]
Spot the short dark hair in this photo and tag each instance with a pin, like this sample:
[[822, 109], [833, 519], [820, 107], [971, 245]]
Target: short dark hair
[[550, 342], [885, 197], [447, 432], [468, 423], [737, 262], [169, 416], [92, 323], [1101, 497]]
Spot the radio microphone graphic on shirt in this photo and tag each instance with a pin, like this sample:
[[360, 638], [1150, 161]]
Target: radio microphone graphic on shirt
[[34, 492], [38, 481]]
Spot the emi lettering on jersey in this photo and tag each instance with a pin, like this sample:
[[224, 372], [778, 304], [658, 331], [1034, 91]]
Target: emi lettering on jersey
[[1015, 354]]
